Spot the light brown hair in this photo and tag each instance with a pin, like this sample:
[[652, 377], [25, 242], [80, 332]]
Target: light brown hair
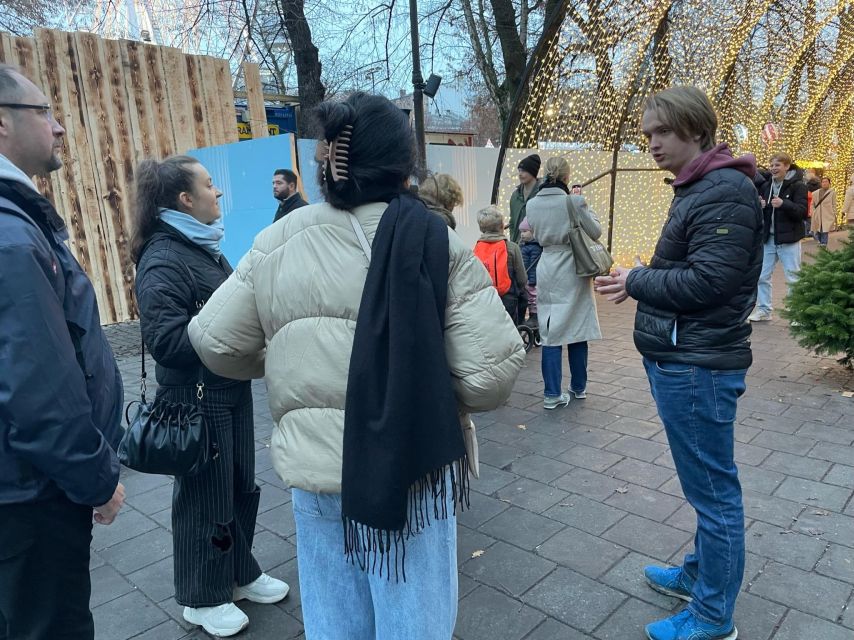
[[783, 157], [441, 189], [688, 111]]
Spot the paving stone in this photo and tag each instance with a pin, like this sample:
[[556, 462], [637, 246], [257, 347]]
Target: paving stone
[[289, 572], [465, 585], [591, 436], [800, 626], [638, 448], [107, 584], [574, 599], [814, 594], [840, 475], [130, 555], [582, 552], [590, 458], [545, 444], [783, 442], [783, 545], [539, 468], [469, 541], [749, 404], [759, 480], [825, 433], [156, 581], [627, 576], [483, 508], [95, 560], [508, 568], [629, 620], [589, 483], [759, 506], [685, 518], [163, 518], [644, 502], [152, 501], [832, 452], [796, 465], [128, 524], [807, 414], [647, 537], [745, 434], [112, 620], [829, 526], [837, 562], [521, 527], [673, 487], [503, 433], [756, 618], [497, 454], [136, 483], [272, 497], [271, 477], [169, 630], [753, 566], [492, 479], [585, 514], [531, 495], [269, 622], [271, 550], [750, 453], [814, 493], [511, 415], [772, 423], [634, 426], [642, 473], [279, 520], [486, 614], [554, 630]]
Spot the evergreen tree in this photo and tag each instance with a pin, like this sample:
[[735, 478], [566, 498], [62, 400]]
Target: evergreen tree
[[821, 304]]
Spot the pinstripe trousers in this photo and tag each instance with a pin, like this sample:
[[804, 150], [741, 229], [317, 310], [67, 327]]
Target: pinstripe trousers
[[213, 512]]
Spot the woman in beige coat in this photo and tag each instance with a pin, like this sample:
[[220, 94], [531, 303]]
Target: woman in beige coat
[[823, 212], [848, 204], [566, 306], [321, 284]]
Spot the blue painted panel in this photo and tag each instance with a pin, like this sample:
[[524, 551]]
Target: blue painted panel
[[308, 170], [243, 171]]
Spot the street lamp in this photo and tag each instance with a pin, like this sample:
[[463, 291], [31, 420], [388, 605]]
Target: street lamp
[[418, 89]]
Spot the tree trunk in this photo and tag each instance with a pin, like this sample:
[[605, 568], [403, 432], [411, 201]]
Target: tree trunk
[[512, 52], [307, 61]]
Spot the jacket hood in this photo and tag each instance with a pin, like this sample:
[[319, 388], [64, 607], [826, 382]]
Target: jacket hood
[[9, 171], [718, 157], [492, 237]]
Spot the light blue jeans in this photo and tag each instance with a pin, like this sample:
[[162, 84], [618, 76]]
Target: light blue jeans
[[790, 256], [340, 601]]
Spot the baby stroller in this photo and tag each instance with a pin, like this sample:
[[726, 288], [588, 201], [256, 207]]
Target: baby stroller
[[529, 328]]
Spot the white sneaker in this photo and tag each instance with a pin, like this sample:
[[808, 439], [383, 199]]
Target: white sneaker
[[222, 621], [580, 395], [264, 590], [550, 402], [759, 315]]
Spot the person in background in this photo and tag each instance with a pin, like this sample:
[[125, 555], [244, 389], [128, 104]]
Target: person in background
[[374, 326], [503, 261], [848, 204], [813, 184], [567, 309], [60, 391], [783, 197], [286, 191], [442, 194], [691, 328], [576, 190], [529, 184], [179, 264], [823, 212], [531, 252]]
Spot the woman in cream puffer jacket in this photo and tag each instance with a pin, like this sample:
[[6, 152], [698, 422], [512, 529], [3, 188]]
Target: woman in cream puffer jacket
[[288, 314]]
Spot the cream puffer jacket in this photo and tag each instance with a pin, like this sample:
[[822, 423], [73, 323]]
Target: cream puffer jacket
[[288, 313]]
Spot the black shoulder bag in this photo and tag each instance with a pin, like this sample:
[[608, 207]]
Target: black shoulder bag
[[169, 438]]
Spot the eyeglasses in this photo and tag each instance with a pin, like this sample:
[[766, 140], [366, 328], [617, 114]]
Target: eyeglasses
[[44, 109]]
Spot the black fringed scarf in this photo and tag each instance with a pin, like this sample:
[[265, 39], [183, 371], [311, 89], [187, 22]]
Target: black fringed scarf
[[402, 439]]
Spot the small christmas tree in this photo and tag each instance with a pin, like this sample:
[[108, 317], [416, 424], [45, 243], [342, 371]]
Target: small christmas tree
[[821, 304]]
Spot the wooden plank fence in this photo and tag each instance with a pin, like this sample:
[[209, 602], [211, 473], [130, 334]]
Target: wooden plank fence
[[119, 102]]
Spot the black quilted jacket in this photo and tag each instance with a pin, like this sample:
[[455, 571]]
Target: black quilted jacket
[[174, 278], [702, 277]]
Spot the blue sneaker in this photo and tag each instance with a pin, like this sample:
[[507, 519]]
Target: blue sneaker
[[671, 581], [685, 626]]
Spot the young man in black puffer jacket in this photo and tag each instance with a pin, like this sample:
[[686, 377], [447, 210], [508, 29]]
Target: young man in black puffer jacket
[[693, 303]]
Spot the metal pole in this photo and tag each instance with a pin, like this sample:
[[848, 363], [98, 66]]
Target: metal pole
[[418, 86], [612, 197]]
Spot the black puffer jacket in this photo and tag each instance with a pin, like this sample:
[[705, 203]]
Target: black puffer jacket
[[167, 298], [789, 218], [702, 278]]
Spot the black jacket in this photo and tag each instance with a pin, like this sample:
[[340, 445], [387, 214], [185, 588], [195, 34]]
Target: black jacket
[[702, 277], [174, 278], [60, 389], [789, 218], [289, 204]]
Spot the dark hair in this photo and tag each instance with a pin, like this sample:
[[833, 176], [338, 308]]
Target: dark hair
[[382, 150], [158, 185], [826, 178], [289, 176], [10, 86]]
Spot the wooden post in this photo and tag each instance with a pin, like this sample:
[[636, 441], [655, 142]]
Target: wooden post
[[255, 100]]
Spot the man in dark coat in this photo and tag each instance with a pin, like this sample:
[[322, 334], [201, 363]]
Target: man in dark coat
[[690, 327], [783, 196], [529, 184], [286, 192], [60, 391]]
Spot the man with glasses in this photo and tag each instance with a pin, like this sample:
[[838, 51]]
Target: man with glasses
[[60, 391]]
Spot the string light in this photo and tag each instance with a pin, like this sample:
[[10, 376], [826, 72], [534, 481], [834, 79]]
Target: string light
[[592, 78]]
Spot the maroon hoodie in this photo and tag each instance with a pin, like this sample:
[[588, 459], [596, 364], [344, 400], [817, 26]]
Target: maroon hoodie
[[718, 157]]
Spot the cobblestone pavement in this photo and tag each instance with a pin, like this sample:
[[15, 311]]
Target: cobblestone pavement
[[570, 505]]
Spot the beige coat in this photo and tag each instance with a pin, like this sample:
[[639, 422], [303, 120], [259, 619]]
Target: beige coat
[[824, 214], [848, 205], [566, 307], [288, 313]]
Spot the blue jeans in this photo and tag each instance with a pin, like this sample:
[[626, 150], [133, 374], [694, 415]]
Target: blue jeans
[[822, 237], [790, 256], [340, 601], [553, 369], [697, 407]]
